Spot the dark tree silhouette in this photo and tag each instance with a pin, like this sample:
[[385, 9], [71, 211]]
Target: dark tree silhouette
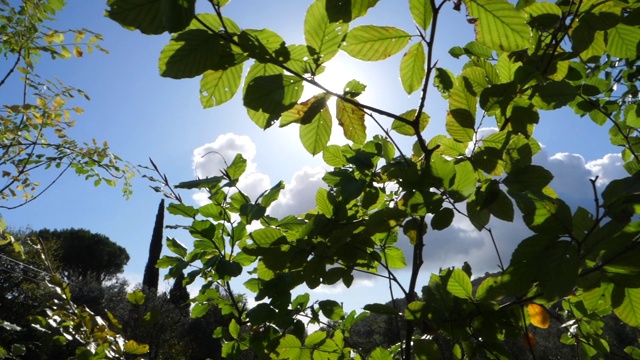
[[83, 255], [151, 272], [179, 295]]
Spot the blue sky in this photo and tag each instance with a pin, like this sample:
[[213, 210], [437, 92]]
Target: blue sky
[[143, 115]]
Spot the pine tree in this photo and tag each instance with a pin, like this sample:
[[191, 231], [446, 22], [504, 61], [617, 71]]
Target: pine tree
[[151, 272]]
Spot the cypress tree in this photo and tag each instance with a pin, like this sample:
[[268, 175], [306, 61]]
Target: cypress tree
[[151, 272], [179, 296]]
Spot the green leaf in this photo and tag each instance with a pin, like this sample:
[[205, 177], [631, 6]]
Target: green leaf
[[628, 309], [394, 257], [168, 261], [136, 297], [331, 309], [272, 194], [320, 34], [444, 81], [442, 219], [144, 15], [333, 156], [199, 310], [234, 329], [268, 92], [306, 111], [461, 119], [381, 309], [532, 177], [459, 284], [544, 214], [194, 51], [544, 15], [219, 86], [553, 95], [407, 130], [422, 12], [264, 46], [426, 349], [465, 181], [237, 167], [380, 354], [266, 236], [315, 338], [19, 349], [353, 89], [315, 136], [351, 119], [323, 203], [290, 348], [499, 25], [347, 11], [177, 14], [373, 43], [182, 210], [132, 347], [176, 247], [412, 69], [623, 41]]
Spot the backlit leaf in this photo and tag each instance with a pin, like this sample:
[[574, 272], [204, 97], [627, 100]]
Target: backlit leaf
[[460, 121], [394, 257], [268, 92], [421, 12], [136, 297], [315, 136], [351, 119], [266, 236], [373, 43], [624, 41], [406, 129], [331, 309], [192, 52], [628, 309], [306, 111], [459, 284], [176, 247], [538, 315], [412, 69], [499, 25], [219, 86], [320, 34], [132, 347]]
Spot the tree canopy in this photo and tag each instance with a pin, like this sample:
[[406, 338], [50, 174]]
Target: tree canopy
[[528, 57], [83, 254]]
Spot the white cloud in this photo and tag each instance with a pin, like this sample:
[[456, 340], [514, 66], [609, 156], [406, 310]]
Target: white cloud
[[209, 160], [608, 168], [299, 195]]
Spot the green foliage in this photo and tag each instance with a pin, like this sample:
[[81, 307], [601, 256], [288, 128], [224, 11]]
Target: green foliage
[[35, 122], [527, 57]]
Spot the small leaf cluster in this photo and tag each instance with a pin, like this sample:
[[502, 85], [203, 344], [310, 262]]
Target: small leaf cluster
[[35, 132]]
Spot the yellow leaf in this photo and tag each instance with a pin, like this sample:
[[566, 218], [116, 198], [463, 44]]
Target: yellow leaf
[[132, 347], [58, 102], [539, 315], [77, 51]]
